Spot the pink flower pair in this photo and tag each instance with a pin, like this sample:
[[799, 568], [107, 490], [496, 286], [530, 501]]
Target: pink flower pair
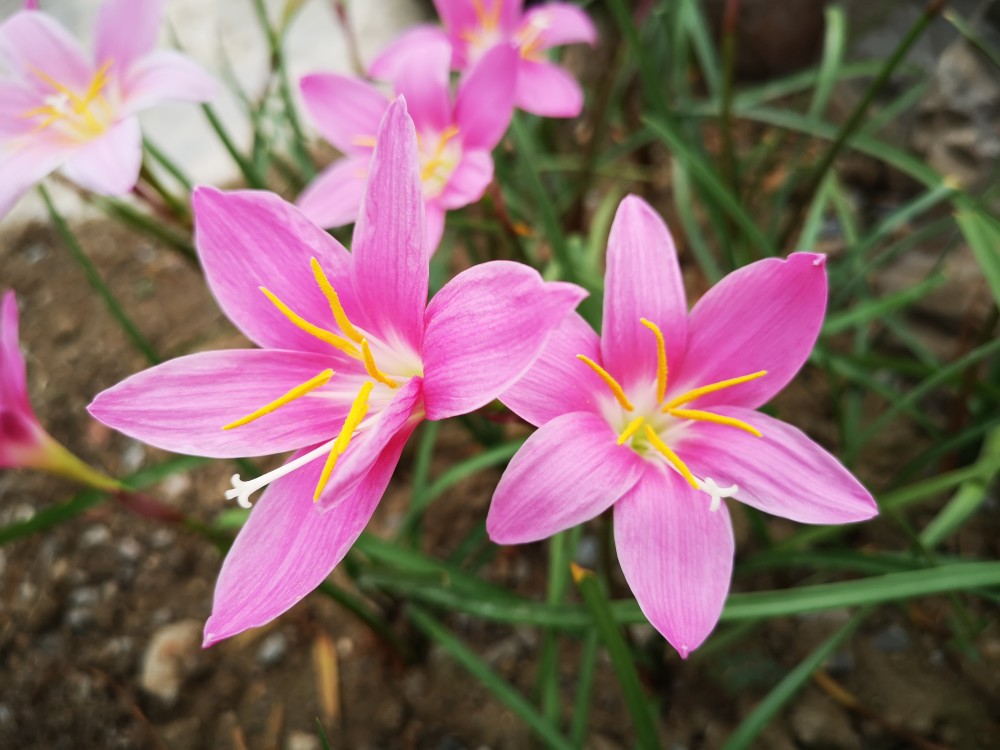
[[60, 108], [352, 358]]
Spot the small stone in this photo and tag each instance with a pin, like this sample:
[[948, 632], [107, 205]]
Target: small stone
[[302, 741], [80, 618], [95, 535], [841, 663], [132, 457], [272, 649], [129, 549], [175, 485], [587, 551], [892, 640], [172, 655], [162, 538]]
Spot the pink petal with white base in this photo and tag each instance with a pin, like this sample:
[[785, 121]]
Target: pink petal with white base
[[764, 316], [109, 164], [182, 405], [166, 76], [390, 250], [643, 280], [676, 554], [32, 41], [783, 473], [547, 90], [485, 100], [484, 329], [334, 197], [126, 30], [559, 383], [559, 24], [345, 110], [569, 471], [248, 239], [287, 547]]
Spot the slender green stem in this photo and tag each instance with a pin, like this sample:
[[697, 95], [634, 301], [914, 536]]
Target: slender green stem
[[584, 687], [96, 282], [168, 164], [247, 169], [179, 208], [145, 223]]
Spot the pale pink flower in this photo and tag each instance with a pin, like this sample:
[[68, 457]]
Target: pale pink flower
[[24, 443], [347, 369], [657, 417], [474, 27], [61, 108], [455, 139]]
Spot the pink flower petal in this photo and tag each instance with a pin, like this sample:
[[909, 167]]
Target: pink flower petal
[[346, 111], [369, 443], [248, 239], [183, 404], [569, 471], [559, 383], [485, 100], [413, 41], [458, 14], [764, 316], [109, 164], [390, 250], [32, 41], [484, 329], [287, 547], [13, 378], [559, 24], [22, 168], [125, 31], [435, 216], [643, 280], [547, 90], [677, 556], [783, 473], [334, 197], [15, 100], [510, 12], [423, 79], [166, 76], [469, 181]]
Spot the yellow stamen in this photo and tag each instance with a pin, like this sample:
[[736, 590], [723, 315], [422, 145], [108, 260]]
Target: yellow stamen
[[711, 388], [432, 164], [630, 429], [357, 413], [372, 368], [661, 359], [604, 375], [489, 19], [337, 342], [707, 416], [363, 140], [672, 457], [300, 390], [335, 307]]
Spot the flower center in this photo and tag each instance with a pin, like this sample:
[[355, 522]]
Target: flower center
[[355, 344], [529, 36], [645, 430], [439, 155], [486, 33], [78, 116]]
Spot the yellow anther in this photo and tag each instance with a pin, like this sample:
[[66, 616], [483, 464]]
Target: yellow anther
[[707, 416], [335, 307], [300, 390], [672, 457], [372, 368], [630, 429], [661, 359], [711, 388], [337, 342], [357, 413], [489, 19], [436, 160], [604, 375]]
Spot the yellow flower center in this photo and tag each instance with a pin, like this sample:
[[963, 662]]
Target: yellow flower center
[[79, 116]]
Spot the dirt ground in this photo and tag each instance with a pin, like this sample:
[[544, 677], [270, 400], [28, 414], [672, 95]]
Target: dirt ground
[[84, 606]]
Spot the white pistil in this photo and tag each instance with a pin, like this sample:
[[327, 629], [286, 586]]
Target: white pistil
[[59, 102], [714, 491], [241, 490]]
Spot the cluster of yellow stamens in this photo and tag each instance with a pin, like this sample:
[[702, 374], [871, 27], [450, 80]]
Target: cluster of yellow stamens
[[529, 36], [71, 109], [643, 425], [351, 342]]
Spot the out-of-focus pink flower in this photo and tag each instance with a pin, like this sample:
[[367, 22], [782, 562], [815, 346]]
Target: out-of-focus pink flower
[[474, 27], [347, 369], [454, 139], [657, 417], [59, 108], [24, 443]]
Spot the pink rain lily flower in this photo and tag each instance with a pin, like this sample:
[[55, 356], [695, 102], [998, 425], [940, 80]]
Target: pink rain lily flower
[[59, 108], [352, 358], [474, 27], [454, 139], [24, 443], [657, 417]]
